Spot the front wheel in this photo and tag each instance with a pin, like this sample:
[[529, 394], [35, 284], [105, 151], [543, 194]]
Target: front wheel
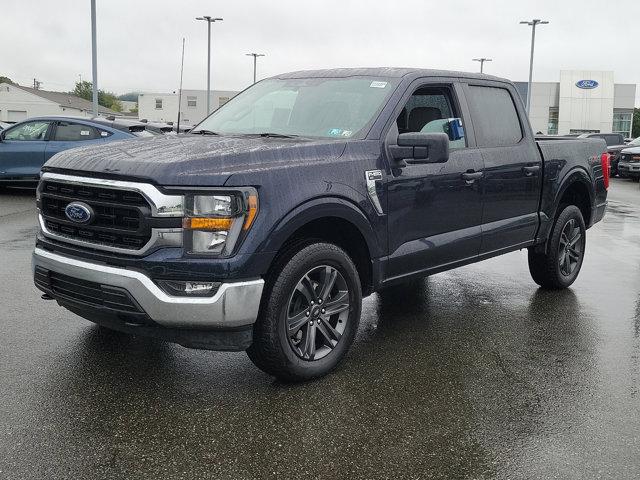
[[310, 313], [559, 266]]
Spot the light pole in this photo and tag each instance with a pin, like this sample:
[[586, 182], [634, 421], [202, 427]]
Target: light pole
[[532, 24], [94, 58], [209, 21], [255, 61], [482, 60]]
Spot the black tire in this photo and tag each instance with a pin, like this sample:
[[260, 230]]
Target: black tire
[[274, 350], [549, 269]]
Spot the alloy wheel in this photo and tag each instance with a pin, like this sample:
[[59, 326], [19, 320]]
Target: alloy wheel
[[571, 247], [317, 313]]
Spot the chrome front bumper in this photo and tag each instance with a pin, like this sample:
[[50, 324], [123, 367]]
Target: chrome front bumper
[[234, 304]]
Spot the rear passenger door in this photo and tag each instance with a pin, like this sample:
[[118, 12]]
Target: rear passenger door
[[68, 135], [512, 167]]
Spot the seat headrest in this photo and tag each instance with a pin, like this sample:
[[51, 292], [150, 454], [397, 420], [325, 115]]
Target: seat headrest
[[420, 116]]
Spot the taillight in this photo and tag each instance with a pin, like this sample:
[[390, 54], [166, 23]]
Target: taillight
[[604, 159]]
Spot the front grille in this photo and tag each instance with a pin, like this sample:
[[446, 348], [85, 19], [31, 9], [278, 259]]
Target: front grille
[[64, 287], [119, 215]]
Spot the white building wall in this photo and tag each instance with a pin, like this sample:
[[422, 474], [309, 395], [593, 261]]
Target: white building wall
[[586, 109], [189, 114], [544, 96], [17, 105]]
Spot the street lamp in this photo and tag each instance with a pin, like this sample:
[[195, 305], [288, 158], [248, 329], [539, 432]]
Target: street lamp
[[209, 21], [482, 60], [532, 24], [94, 59], [255, 58]]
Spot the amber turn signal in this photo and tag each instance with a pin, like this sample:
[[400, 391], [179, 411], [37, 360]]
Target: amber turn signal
[[251, 214], [206, 223]]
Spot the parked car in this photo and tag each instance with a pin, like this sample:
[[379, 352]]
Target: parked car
[[264, 228], [615, 143], [629, 165], [26, 146], [4, 125]]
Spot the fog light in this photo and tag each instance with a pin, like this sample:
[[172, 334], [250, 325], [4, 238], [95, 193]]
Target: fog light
[[189, 288]]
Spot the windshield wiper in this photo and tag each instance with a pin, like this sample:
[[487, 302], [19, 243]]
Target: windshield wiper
[[272, 135], [203, 132]]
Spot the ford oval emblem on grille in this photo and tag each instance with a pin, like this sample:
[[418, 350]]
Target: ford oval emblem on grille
[[79, 212], [586, 84]]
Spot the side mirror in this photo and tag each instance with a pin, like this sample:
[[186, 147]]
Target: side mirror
[[421, 148]]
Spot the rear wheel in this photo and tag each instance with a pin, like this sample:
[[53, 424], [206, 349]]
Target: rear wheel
[[310, 313], [560, 265]]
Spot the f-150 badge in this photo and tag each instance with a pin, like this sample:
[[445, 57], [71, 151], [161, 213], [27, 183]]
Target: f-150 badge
[[371, 177]]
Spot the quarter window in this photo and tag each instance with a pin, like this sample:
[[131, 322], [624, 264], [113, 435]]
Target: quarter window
[[495, 119], [29, 131]]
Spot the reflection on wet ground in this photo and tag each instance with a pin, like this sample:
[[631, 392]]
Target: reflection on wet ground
[[474, 373]]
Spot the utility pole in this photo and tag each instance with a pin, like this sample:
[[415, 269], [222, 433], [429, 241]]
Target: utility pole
[[36, 84], [532, 24], [255, 61], [209, 21], [94, 58], [482, 60], [180, 91]]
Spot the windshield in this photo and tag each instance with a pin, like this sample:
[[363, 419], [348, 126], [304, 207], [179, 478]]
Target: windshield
[[634, 143], [308, 107]]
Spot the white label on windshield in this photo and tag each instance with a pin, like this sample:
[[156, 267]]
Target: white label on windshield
[[85, 133], [376, 84]]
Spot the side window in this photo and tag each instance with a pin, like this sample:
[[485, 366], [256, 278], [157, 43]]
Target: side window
[[431, 110], [29, 131], [75, 132], [495, 119]]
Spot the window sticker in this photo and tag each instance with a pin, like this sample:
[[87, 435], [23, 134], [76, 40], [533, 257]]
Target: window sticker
[[378, 84], [85, 133], [335, 132], [346, 133]]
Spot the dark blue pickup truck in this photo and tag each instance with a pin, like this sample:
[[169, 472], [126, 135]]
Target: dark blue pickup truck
[[264, 228]]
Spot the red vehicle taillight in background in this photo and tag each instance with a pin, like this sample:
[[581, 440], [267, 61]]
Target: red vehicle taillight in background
[[605, 160]]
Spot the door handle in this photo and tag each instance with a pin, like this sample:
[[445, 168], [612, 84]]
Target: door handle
[[530, 170], [471, 176]]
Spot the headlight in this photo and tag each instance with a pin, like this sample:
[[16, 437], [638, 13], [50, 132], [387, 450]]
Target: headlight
[[215, 223]]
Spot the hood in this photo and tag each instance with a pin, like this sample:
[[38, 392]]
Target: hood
[[192, 160], [631, 150]]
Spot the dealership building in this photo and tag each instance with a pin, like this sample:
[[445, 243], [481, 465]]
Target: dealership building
[[583, 101]]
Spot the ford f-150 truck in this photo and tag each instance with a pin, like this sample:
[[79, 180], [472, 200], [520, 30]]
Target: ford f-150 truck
[[264, 228]]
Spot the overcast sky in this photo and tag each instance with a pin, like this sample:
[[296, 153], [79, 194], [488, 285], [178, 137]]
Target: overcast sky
[[139, 41]]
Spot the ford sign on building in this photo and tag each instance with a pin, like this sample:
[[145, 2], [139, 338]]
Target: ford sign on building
[[586, 84], [583, 101]]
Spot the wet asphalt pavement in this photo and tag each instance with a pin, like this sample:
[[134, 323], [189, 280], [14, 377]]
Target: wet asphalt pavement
[[474, 373]]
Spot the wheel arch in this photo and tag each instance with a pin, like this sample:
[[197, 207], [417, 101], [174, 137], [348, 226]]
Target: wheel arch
[[577, 189], [334, 220]]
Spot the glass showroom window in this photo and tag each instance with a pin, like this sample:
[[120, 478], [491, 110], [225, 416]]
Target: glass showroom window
[[622, 123], [158, 104], [552, 125]]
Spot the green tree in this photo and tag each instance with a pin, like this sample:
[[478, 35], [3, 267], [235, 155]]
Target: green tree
[[636, 123], [84, 90], [4, 79]]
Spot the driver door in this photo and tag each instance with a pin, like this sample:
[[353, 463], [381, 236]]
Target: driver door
[[435, 209]]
